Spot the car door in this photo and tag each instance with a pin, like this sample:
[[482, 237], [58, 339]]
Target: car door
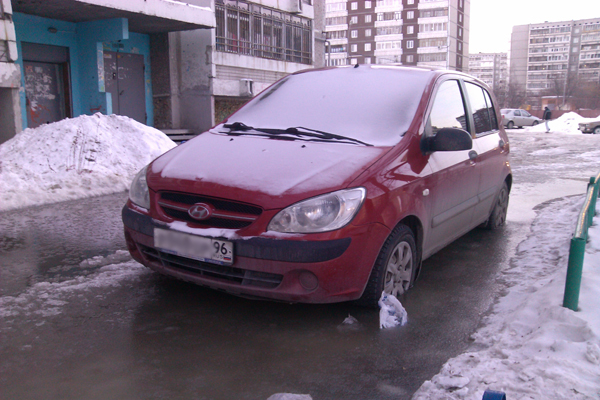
[[491, 149], [455, 179], [517, 118]]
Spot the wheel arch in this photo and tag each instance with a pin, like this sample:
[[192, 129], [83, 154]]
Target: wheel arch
[[415, 225]]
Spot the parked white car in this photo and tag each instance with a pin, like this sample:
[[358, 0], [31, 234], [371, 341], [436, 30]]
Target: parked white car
[[513, 117]]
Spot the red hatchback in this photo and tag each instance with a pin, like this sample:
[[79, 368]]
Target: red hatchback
[[331, 185]]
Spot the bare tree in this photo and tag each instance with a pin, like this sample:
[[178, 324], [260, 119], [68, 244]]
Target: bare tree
[[515, 96]]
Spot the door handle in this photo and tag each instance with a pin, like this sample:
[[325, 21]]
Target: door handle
[[473, 155]]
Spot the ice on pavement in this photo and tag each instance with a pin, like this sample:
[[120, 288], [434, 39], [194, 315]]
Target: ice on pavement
[[75, 158]]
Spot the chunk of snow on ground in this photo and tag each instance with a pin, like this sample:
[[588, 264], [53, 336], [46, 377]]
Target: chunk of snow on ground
[[75, 158], [391, 312], [530, 347], [549, 152]]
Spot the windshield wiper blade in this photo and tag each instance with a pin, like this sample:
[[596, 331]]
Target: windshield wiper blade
[[298, 132], [322, 135]]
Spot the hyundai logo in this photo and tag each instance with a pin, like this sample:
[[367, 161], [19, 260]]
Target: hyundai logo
[[200, 211]]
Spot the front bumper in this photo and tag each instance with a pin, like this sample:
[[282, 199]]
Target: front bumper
[[291, 268]]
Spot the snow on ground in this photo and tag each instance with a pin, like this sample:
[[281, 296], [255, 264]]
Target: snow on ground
[[566, 123], [75, 158], [530, 347]]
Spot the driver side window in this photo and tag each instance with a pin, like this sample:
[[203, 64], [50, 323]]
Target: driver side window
[[448, 109]]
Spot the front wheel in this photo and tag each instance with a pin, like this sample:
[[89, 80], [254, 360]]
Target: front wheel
[[394, 270], [597, 130], [535, 123], [498, 216], [510, 125]]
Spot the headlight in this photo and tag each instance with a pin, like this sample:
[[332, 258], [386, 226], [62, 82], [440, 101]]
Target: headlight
[[138, 193], [319, 214]]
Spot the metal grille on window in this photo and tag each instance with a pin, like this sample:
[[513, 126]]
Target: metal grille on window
[[251, 29]]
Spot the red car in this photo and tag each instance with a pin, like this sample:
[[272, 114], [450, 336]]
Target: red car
[[331, 185]]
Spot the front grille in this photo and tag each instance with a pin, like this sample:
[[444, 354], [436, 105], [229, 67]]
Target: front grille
[[232, 215], [238, 276]]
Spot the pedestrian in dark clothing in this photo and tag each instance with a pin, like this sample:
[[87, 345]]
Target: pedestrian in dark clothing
[[547, 116]]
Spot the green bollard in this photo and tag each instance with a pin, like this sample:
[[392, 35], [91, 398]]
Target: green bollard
[[574, 271]]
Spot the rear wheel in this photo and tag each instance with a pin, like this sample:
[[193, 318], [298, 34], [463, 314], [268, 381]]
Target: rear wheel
[[510, 125], [597, 130], [394, 270], [498, 216]]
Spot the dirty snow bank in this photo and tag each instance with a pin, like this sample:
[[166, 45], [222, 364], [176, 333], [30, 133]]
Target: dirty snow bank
[[75, 158], [530, 346], [566, 123]]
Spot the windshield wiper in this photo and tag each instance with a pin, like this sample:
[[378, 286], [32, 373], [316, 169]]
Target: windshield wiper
[[298, 132]]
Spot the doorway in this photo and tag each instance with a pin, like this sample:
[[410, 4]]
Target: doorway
[[124, 80]]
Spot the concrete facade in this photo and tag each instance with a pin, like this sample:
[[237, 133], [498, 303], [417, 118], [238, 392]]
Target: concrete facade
[[551, 58], [10, 75], [90, 36], [492, 68], [214, 72], [432, 33]]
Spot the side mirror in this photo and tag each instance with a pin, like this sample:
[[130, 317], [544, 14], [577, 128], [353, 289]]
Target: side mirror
[[448, 139]]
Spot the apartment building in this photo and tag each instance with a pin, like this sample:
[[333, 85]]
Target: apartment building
[[552, 59], [492, 68], [214, 72], [10, 75], [433, 33]]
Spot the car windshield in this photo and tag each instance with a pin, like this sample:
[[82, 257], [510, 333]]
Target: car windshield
[[373, 105]]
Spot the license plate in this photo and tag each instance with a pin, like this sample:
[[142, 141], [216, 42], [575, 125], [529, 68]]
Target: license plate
[[196, 247]]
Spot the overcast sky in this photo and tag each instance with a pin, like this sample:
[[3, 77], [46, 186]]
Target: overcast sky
[[492, 21]]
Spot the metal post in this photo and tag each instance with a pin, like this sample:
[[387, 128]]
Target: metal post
[[574, 271]]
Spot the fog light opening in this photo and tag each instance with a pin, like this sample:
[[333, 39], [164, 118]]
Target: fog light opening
[[308, 280]]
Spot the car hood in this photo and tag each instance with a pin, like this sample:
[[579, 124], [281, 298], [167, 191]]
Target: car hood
[[270, 173]]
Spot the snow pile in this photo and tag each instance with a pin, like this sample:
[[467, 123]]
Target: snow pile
[[391, 312], [566, 123], [75, 158], [530, 346]]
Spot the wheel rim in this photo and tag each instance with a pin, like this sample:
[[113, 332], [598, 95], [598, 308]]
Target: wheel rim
[[502, 208], [399, 269], [597, 131]]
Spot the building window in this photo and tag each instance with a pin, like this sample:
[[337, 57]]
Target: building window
[[410, 44], [367, 60], [353, 61], [410, 15], [353, 48], [459, 31], [459, 17], [367, 18], [354, 5], [263, 32], [367, 6], [410, 30], [354, 34], [410, 58], [575, 49], [459, 46], [367, 46], [353, 20], [368, 33], [410, 2]]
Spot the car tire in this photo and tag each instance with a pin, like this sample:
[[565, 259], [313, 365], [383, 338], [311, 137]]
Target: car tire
[[510, 125], [535, 123], [498, 216], [596, 130], [395, 268]]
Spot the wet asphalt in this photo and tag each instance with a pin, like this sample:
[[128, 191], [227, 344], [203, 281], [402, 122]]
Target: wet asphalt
[[153, 337]]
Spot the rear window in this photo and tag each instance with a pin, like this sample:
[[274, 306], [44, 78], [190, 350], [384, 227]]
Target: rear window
[[372, 104]]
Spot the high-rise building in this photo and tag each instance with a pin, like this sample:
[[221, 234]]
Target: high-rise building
[[408, 32], [552, 59], [492, 68]]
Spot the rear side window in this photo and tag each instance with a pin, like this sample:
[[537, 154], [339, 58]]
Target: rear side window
[[448, 109], [484, 116]]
